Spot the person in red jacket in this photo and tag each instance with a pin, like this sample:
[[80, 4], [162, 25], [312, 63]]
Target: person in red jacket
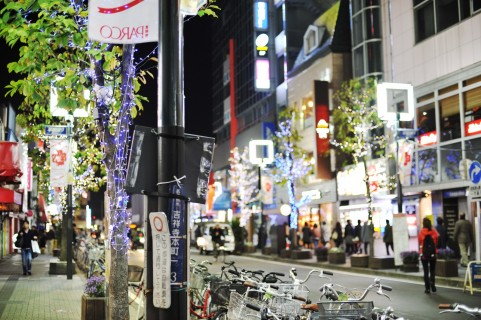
[[428, 262]]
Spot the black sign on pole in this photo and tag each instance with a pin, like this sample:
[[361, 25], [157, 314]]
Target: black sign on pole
[[142, 165]]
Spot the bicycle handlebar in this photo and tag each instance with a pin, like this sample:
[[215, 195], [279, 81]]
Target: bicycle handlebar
[[459, 308], [376, 284], [322, 273]]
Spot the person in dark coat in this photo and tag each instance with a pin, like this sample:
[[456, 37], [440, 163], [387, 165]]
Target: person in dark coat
[[26, 235], [336, 235], [306, 236], [443, 233], [388, 237], [348, 238]]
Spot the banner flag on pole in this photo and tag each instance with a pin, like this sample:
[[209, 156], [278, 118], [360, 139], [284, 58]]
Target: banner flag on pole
[[59, 162], [123, 22]]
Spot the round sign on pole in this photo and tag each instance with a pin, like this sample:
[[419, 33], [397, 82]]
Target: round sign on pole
[[475, 172]]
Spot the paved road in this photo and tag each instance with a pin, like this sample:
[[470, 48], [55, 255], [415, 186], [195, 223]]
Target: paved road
[[407, 298]]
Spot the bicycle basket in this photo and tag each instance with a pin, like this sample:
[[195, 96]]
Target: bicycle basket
[[344, 309], [220, 291], [238, 310], [285, 306], [197, 280]]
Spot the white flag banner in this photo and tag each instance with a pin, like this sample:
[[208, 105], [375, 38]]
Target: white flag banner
[[124, 21], [59, 161]]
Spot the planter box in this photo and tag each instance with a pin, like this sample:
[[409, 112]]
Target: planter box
[[336, 257], [285, 253], [249, 249], [267, 250], [446, 268], [360, 260], [410, 267], [321, 258], [301, 254], [93, 308], [381, 263]]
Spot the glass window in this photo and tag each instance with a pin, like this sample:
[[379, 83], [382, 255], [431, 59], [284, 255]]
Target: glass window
[[473, 149], [472, 81], [426, 118], [476, 5], [373, 28], [448, 89], [357, 30], [374, 55], [307, 111], [424, 20], [447, 14], [426, 97], [450, 157], [358, 62], [450, 122], [472, 112], [465, 9], [427, 166]]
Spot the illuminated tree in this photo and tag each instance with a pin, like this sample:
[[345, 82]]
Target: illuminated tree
[[243, 183], [357, 128], [291, 164]]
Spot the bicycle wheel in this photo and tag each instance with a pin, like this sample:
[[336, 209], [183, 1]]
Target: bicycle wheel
[[221, 315]]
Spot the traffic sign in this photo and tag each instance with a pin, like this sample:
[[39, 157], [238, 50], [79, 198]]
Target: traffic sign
[[475, 172], [56, 130]]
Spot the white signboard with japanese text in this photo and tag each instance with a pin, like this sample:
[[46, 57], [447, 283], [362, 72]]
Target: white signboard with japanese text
[[161, 259], [123, 22]]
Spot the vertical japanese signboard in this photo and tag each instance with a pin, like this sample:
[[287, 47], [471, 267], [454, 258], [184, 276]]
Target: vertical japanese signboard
[[161, 259], [178, 236]]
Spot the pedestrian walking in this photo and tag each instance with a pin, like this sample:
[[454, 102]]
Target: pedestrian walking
[[388, 237], [336, 235], [325, 233], [50, 236], [463, 234], [367, 232], [24, 241], [443, 233], [306, 236], [357, 236], [428, 239], [316, 235], [348, 238]]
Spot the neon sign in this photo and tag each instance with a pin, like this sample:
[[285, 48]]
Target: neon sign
[[260, 15], [263, 79], [428, 138], [472, 128]]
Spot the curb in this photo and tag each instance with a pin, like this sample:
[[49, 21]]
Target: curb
[[455, 282]]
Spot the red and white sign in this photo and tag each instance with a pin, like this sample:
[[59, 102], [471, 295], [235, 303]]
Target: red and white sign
[[472, 128], [428, 138], [123, 22], [29, 174], [59, 161]]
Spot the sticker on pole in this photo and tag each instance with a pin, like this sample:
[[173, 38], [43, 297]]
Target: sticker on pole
[[161, 259]]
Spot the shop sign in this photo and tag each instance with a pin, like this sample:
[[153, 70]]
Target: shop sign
[[475, 192], [472, 128], [312, 194], [428, 139]]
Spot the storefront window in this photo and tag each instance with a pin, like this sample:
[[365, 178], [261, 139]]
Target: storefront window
[[472, 112], [307, 112], [427, 166], [450, 122], [426, 117], [473, 151], [450, 157]]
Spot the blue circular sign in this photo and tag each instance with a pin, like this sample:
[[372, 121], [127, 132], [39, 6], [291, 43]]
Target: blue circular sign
[[475, 172]]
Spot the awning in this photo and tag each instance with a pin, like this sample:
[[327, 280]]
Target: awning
[[9, 161], [222, 202], [10, 196]]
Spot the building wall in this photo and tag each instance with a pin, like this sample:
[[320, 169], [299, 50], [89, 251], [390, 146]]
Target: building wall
[[449, 51]]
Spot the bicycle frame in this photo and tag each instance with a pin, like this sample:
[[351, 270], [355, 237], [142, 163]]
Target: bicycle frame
[[203, 314]]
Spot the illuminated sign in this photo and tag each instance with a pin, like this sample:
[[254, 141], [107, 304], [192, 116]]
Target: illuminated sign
[[262, 42], [429, 138], [395, 99], [261, 16], [472, 128], [262, 74]]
